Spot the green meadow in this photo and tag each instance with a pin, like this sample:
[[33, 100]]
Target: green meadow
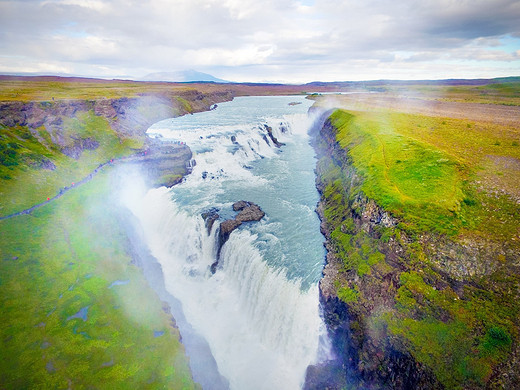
[[76, 310], [65, 323], [434, 176], [428, 171]]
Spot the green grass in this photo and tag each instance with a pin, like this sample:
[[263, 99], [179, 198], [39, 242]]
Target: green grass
[[413, 180], [25, 183], [426, 170], [430, 174], [63, 258]]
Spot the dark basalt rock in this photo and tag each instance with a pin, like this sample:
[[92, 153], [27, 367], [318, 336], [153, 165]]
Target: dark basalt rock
[[272, 137], [210, 217], [248, 212]]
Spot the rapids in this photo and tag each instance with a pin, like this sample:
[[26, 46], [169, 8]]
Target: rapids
[[259, 312]]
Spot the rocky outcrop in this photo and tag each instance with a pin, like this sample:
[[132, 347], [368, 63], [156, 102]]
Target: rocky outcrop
[[271, 136], [128, 116], [164, 164], [210, 217], [79, 145], [248, 212]]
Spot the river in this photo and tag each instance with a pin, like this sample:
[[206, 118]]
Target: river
[[259, 312]]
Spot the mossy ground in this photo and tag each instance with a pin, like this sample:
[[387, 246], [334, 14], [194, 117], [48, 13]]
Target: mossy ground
[[63, 258], [25, 182], [427, 172], [64, 325]]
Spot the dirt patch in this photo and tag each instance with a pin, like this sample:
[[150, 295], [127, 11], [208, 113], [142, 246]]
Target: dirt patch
[[498, 114], [501, 176]]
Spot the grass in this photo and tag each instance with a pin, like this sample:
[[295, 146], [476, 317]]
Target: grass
[[63, 258], [409, 178], [29, 90], [26, 171], [430, 173], [426, 170]]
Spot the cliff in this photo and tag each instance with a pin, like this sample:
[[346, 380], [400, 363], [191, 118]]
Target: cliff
[[412, 296], [53, 143], [128, 116], [75, 304]]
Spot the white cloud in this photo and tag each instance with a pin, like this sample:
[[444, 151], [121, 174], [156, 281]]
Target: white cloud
[[96, 5], [258, 40]]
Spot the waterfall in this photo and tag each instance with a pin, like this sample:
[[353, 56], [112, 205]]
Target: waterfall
[[259, 312]]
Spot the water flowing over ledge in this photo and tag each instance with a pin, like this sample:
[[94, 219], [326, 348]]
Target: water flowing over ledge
[[259, 312]]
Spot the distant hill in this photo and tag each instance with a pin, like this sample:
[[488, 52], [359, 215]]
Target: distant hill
[[182, 76]]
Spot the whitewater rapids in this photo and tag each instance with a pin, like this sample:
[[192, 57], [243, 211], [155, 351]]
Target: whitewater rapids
[[259, 312]]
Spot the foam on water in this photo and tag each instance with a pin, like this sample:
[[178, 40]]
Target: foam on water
[[259, 312]]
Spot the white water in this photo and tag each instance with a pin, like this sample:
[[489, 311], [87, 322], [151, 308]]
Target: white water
[[259, 312]]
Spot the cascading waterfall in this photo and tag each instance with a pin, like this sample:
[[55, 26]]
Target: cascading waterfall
[[259, 311]]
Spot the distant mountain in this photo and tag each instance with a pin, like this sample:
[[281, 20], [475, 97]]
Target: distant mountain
[[182, 76]]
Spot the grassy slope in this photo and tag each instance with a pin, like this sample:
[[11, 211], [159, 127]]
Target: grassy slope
[[64, 256], [23, 183], [427, 171]]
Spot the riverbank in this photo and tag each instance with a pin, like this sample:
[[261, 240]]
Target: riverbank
[[422, 263], [74, 302]]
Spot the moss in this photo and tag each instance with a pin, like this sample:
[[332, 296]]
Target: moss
[[428, 182], [60, 260], [348, 295], [186, 106]]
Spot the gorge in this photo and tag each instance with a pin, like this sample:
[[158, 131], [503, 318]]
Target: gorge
[[258, 306], [420, 285]]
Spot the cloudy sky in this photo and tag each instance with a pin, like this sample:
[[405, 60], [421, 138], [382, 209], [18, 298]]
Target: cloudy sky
[[263, 40]]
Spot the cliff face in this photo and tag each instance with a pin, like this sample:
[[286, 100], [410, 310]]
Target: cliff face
[[129, 117], [48, 144], [406, 310]]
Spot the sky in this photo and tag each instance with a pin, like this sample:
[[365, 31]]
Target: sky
[[291, 41]]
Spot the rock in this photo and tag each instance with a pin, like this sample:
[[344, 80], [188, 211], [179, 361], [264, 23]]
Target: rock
[[226, 228], [48, 164], [249, 212], [240, 205], [210, 217], [272, 137], [79, 145]]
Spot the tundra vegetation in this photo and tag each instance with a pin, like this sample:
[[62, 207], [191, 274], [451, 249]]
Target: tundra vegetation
[[76, 310], [439, 279]]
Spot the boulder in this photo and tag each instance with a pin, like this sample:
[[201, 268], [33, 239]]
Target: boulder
[[248, 212]]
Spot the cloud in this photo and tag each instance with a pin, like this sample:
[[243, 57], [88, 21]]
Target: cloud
[[288, 39]]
